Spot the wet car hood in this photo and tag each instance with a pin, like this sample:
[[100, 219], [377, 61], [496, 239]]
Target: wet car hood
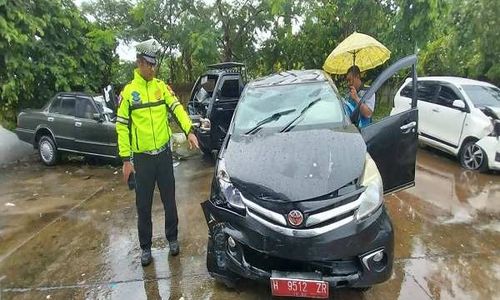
[[296, 165]]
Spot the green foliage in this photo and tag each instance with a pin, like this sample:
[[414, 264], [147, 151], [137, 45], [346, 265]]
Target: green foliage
[[50, 45], [47, 46]]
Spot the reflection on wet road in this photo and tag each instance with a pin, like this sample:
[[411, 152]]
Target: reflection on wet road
[[70, 232]]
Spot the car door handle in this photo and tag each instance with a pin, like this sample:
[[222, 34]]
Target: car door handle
[[435, 110], [50, 119], [78, 124], [408, 127]]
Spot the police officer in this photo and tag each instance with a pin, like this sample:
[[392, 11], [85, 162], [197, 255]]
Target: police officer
[[144, 134]]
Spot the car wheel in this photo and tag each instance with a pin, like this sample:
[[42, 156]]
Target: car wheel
[[472, 157], [223, 276], [48, 151]]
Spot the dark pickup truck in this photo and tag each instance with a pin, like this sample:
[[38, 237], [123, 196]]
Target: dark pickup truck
[[70, 122], [213, 99]]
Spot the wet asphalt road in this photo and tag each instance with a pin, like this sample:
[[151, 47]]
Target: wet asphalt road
[[70, 232]]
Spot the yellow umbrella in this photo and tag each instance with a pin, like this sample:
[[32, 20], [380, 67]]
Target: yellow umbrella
[[357, 49]]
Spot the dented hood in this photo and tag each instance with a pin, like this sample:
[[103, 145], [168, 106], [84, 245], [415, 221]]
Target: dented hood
[[295, 165]]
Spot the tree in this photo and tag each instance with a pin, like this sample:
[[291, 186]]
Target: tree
[[466, 42], [184, 29], [239, 21], [47, 47]]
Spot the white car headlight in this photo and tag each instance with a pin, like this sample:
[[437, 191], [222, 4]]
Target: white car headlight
[[231, 194], [373, 196]]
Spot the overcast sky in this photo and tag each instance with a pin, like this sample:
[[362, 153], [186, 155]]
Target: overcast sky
[[124, 51]]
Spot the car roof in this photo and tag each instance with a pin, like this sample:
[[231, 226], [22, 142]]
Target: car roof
[[74, 94], [225, 68], [454, 80], [219, 72], [290, 77], [226, 65]]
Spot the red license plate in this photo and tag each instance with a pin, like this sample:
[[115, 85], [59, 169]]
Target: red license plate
[[285, 287]]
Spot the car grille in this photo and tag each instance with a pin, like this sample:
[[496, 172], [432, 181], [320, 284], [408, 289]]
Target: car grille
[[341, 212], [330, 268]]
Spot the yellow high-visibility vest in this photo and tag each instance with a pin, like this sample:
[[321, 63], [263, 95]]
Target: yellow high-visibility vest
[[142, 118]]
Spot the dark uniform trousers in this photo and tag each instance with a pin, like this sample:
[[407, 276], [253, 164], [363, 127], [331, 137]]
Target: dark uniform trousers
[[151, 170]]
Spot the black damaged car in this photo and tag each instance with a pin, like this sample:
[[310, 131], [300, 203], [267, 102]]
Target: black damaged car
[[297, 195]]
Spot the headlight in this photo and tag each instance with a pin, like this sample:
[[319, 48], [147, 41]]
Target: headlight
[[230, 193], [373, 196]]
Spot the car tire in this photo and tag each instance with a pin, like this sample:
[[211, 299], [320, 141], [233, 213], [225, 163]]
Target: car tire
[[48, 151], [222, 276], [472, 157]]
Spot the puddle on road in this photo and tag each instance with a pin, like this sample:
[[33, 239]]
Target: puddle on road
[[456, 277], [457, 196], [446, 236]]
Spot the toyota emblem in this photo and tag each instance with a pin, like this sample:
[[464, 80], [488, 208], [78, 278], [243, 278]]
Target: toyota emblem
[[295, 218]]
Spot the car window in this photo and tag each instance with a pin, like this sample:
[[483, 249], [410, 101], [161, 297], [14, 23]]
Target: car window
[[407, 91], [483, 95], [208, 82], [85, 109], [56, 106], [230, 89], [204, 88], [258, 103], [446, 96], [425, 91], [68, 106]]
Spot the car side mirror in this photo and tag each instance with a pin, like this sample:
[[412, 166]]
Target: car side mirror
[[460, 104], [98, 117]]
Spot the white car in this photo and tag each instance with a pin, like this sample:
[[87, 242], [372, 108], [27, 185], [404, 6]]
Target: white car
[[459, 116]]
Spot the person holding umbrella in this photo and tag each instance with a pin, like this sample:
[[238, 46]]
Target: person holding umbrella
[[357, 53], [356, 91]]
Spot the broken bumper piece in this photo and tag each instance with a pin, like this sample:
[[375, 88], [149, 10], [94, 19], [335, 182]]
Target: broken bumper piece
[[355, 255]]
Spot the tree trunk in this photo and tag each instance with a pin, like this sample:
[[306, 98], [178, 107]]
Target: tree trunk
[[228, 51]]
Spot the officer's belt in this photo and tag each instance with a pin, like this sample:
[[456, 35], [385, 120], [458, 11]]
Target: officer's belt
[[157, 151]]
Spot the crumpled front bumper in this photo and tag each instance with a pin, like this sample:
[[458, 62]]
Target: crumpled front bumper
[[491, 146], [240, 246]]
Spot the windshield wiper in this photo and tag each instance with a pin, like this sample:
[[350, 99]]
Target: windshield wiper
[[291, 124], [273, 117]]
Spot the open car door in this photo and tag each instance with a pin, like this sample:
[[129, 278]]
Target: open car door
[[221, 110], [110, 97], [392, 142]]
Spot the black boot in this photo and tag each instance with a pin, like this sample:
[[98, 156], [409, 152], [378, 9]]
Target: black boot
[[146, 257], [174, 248]]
